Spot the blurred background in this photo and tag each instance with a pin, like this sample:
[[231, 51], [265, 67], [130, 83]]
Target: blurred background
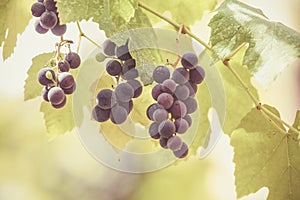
[[33, 168]]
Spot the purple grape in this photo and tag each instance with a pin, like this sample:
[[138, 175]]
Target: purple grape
[[73, 59], [113, 67], [182, 92], [180, 75], [156, 91], [118, 115], [37, 9], [106, 99], [181, 125], [62, 104], [188, 119], [56, 95], [45, 93], [160, 115], [42, 1], [124, 92], [153, 130], [191, 105], [166, 128], [151, 109], [66, 80], [100, 115], [137, 87], [160, 74], [128, 65], [108, 47], [174, 143], [197, 75], [43, 80], [127, 105], [38, 28], [122, 52], [182, 152], [168, 86], [192, 88], [131, 74], [63, 66], [48, 20], [59, 29], [50, 5], [163, 142], [70, 90], [189, 60], [166, 100], [178, 109]]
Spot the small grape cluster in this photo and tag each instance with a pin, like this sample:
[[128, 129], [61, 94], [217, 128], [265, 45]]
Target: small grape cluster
[[116, 105], [58, 85], [48, 18], [175, 101]]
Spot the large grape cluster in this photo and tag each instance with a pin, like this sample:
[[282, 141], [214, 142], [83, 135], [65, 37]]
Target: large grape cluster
[[58, 85], [47, 13], [116, 105], [175, 102]]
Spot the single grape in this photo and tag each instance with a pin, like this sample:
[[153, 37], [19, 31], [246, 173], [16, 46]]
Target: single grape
[[197, 75], [118, 115], [50, 5], [181, 125], [166, 128], [106, 99], [182, 92], [128, 65], [189, 60], [63, 66], [100, 57], [178, 109], [45, 93], [137, 87], [100, 115], [124, 92], [160, 74], [66, 80], [191, 105], [113, 67], [70, 90], [168, 86], [156, 91], [182, 152], [127, 105], [42, 77], [188, 119], [108, 47], [153, 130], [38, 28], [48, 20], [62, 104], [166, 100], [56, 95], [73, 59], [192, 88], [59, 29], [174, 143], [163, 142], [131, 74], [180, 75], [160, 115], [150, 110], [122, 52], [37, 9]]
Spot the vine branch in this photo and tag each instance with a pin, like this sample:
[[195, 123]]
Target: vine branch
[[82, 34]]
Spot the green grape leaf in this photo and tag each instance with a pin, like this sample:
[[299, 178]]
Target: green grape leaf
[[12, 9], [264, 157], [58, 121], [272, 45], [32, 88], [186, 12], [296, 124]]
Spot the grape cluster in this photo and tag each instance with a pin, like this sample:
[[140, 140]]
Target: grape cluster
[[58, 85], [48, 18], [116, 105], [175, 101]]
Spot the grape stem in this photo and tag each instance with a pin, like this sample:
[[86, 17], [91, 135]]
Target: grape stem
[[265, 112], [82, 34]]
